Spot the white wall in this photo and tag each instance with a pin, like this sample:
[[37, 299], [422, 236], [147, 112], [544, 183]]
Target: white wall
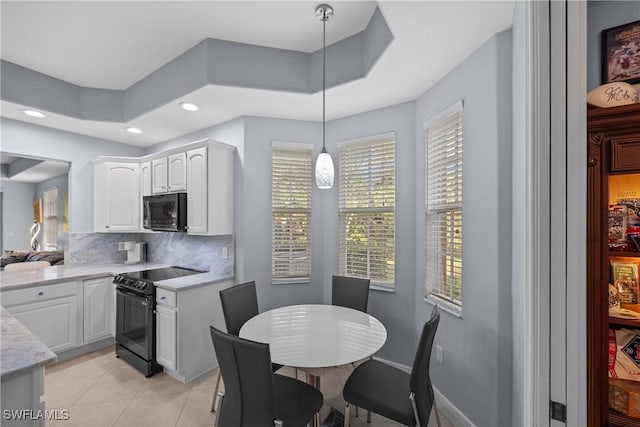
[[29, 140], [477, 372], [17, 214]]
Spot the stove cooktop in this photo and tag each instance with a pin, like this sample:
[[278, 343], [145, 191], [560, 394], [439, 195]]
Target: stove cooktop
[[142, 281], [162, 273]]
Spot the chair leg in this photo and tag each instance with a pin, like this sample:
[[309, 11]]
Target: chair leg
[[346, 415], [215, 393], [217, 421], [435, 409]]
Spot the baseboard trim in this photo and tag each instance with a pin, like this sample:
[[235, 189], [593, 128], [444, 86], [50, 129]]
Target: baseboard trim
[[450, 411], [445, 407], [84, 349]]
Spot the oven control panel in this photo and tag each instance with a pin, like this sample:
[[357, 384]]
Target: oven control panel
[[133, 284]]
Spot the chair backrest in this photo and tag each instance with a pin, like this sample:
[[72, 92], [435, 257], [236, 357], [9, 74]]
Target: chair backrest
[[350, 292], [239, 304], [245, 367], [31, 265], [420, 381]]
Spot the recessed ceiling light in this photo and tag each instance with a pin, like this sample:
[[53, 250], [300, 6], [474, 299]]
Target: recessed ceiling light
[[189, 106], [34, 113], [133, 130]]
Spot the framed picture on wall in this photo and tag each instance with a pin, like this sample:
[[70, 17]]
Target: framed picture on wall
[[621, 53]]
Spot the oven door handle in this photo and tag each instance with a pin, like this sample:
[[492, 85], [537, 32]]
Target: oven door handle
[[142, 299]]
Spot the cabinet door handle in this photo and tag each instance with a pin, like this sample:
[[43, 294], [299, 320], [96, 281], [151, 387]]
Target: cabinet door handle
[[163, 298], [106, 226]]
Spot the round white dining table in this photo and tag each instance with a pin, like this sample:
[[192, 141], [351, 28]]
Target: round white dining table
[[316, 335]]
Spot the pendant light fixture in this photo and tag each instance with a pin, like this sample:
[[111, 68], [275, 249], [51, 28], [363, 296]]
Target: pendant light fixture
[[324, 163]]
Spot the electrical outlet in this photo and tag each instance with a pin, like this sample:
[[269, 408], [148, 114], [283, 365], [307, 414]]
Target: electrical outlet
[[225, 252], [439, 354]]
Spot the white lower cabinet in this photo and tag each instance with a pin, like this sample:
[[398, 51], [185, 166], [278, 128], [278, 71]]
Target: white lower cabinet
[[167, 329], [53, 313], [183, 338], [166, 336], [99, 322]]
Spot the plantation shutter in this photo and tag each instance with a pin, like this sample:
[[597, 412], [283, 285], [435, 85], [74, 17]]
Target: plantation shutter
[[367, 209], [50, 225], [443, 205], [291, 186]]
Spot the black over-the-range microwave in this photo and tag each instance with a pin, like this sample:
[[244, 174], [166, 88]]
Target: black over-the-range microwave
[[165, 212]]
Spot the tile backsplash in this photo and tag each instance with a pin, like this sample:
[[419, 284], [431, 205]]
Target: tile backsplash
[[180, 249]]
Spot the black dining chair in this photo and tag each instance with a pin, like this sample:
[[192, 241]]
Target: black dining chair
[[254, 396], [393, 393], [350, 292], [239, 304]]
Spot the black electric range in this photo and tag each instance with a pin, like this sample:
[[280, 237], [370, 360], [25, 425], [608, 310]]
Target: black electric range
[[135, 315]]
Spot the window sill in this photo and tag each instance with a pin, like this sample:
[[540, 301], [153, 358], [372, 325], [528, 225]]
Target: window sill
[[444, 305], [381, 288], [302, 281]]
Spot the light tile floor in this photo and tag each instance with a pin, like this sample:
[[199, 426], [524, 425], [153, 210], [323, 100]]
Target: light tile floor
[[99, 389]]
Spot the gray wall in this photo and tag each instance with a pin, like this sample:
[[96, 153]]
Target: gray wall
[[254, 215], [395, 310], [477, 371], [602, 15], [62, 183], [40, 142], [17, 214]]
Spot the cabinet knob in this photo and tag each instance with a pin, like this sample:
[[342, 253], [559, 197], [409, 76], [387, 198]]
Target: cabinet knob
[[106, 226], [163, 298], [40, 293]]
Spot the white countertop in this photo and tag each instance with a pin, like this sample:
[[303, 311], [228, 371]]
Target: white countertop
[[20, 350], [63, 273]]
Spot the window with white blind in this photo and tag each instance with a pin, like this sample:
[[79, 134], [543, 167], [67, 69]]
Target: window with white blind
[[443, 207], [367, 193], [291, 186], [50, 213]]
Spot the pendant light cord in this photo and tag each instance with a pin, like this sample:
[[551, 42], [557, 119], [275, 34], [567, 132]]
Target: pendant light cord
[[324, 73]]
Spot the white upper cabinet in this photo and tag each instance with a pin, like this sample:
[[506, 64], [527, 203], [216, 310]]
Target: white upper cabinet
[[210, 184], [169, 174], [177, 175], [116, 197], [203, 169], [145, 178], [159, 176], [197, 191]]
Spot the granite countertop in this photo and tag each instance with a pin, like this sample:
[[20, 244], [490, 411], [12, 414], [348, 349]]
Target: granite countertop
[[56, 274], [20, 350]]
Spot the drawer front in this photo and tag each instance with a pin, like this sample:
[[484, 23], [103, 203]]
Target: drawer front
[[39, 293], [165, 297]]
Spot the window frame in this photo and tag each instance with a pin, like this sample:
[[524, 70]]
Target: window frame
[[300, 147], [342, 210], [433, 293]]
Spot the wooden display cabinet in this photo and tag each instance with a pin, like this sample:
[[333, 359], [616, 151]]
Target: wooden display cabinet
[[613, 160]]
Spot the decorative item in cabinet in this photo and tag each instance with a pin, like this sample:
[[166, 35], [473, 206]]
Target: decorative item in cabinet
[[624, 276], [624, 396], [613, 162]]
